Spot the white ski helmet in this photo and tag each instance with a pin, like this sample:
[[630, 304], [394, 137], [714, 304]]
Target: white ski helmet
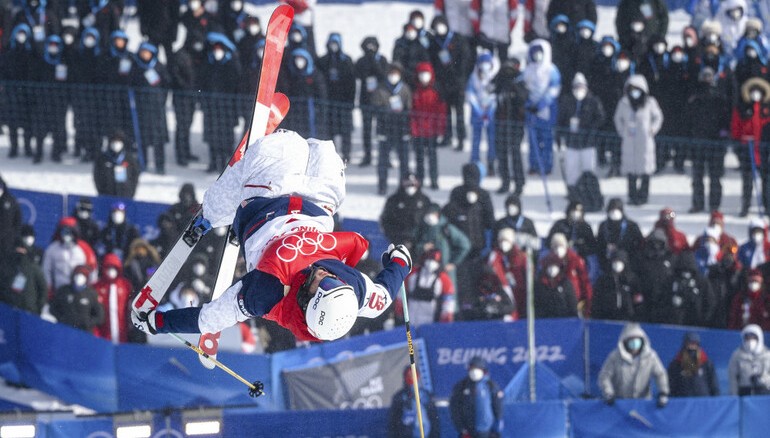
[[333, 310]]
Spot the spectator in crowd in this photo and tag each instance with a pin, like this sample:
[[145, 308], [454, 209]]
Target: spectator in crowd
[[470, 209], [457, 15], [708, 123], [116, 170], [515, 219], [688, 298], [150, 78], [717, 262], [509, 265], [436, 232], [656, 267], [158, 20], [393, 100], [493, 22], [116, 67], [575, 10], [417, 19], [579, 234], [585, 49], [33, 251], [252, 35], [691, 373], [676, 239], [167, 234], [195, 283], [219, 78], [339, 72], [536, 20], [114, 291], [431, 292], [232, 17], [371, 70], [732, 15], [651, 14], [509, 125], [118, 234], [543, 83], [563, 47], [452, 58], [555, 294], [402, 416], [749, 305], [617, 233], [50, 69], [10, 219], [750, 115], [751, 62], [476, 404], [678, 85], [629, 369], [18, 60], [41, 17], [691, 46], [409, 51], [580, 116], [86, 105], [404, 211], [609, 71], [297, 40], [63, 255], [76, 303], [185, 68], [140, 263], [483, 103], [22, 284], [182, 212], [198, 22], [617, 289], [572, 267], [638, 119], [488, 301], [749, 368], [427, 122], [753, 33], [88, 229], [756, 250], [304, 15]]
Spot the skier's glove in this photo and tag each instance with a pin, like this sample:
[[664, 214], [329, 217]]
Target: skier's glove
[[144, 321], [199, 228], [399, 254]]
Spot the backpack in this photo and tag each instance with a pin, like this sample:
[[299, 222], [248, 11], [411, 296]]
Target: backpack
[[588, 192]]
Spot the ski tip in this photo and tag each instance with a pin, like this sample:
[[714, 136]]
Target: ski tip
[[284, 9]]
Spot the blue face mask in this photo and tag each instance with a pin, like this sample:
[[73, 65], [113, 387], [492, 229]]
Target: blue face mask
[[634, 344]]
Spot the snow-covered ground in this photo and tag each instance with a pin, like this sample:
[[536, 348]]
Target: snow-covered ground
[[385, 19]]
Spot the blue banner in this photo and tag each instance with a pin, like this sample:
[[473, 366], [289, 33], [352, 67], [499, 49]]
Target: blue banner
[[504, 346], [369, 423], [142, 214], [82, 427], [9, 344], [371, 232], [41, 210], [754, 418]]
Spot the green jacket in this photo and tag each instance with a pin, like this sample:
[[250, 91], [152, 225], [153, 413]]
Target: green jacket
[[22, 284], [447, 238]]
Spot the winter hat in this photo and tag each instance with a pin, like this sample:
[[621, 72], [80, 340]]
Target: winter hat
[[667, 214], [478, 362], [615, 204], [579, 80], [756, 224], [691, 337], [755, 83], [754, 23], [484, 56], [574, 205], [396, 66], [26, 230], [558, 240], [84, 204], [711, 27], [717, 218], [433, 208], [410, 181], [471, 175], [513, 199], [370, 43]]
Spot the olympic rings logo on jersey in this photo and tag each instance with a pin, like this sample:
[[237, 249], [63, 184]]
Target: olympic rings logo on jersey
[[294, 245]]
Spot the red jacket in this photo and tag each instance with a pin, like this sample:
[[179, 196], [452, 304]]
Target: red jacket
[[575, 268], [512, 267], [750, 128], [114, 296], [747, 308], [677, 240], [428, 116]]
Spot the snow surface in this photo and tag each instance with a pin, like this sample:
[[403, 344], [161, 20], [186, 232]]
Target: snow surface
[[385, 20]]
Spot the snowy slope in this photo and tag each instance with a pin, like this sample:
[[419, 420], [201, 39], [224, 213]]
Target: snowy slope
[[385, 19]]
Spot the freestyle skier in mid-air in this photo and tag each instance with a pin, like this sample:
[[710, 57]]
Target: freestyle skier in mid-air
[[280, 199]]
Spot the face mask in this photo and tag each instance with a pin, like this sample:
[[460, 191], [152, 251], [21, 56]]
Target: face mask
[[296, 37], [689, 42], [394, 78], [608, 51], [537, 56], [585, 33], [623, 65], [411, 35], [197, 46], [79, 281], [736, 13], [677, 57], [410, 191], [68, 39], [750, 344], [475, 374], [236, 5], [118, 217], [195, 5], [53, 50], [751, 53], [418, 23], [618, 266], [67, 238], [635, 93], [218, 54], [199, 269], [579, 93], [112, 273], [431, 220], [755, 286], [424, 77], [634, 344], [334, 47], [21, 38], [576, 215], [29, 241], [83, 214], [441, 29], [116, 146], [89, 42], [505, 246], [615, 214], [431, 265], [513, 210], [561, 251], [561, 28], [755, 95], [637, 26], [301, 63], [552, 271], [472, 197], [758, 238], [659, 48], [254, 29]]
